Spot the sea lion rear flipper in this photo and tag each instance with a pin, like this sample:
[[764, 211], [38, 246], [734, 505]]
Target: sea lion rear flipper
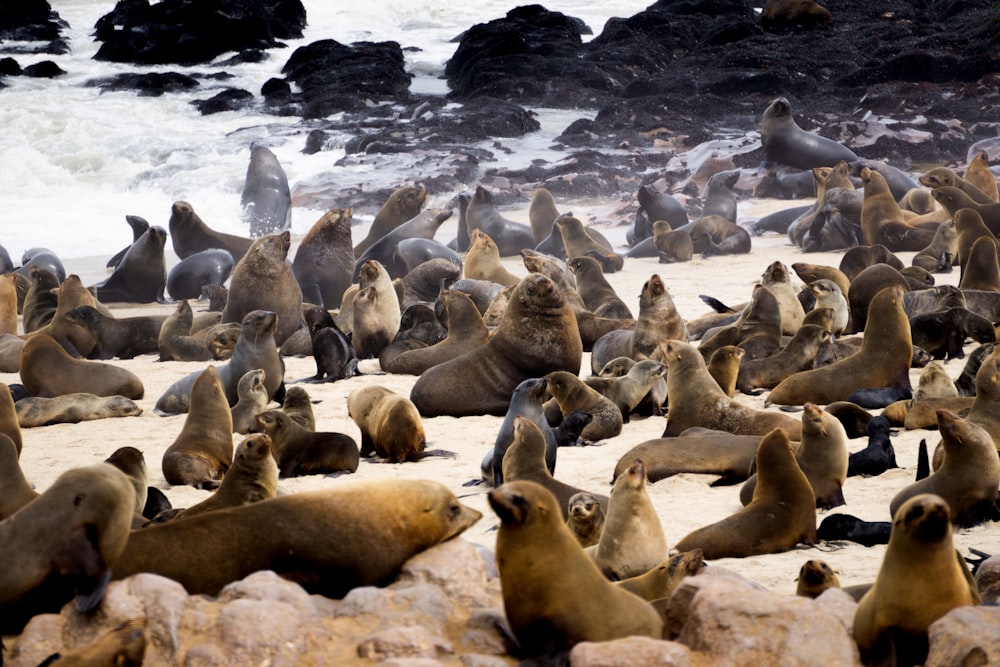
[[923, 464], [715, 304]]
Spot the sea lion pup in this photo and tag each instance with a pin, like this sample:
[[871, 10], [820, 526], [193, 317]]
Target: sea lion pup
[[221, 340], [525, 460], [217, 296], [781, 514], [661, 581], [882, 221], [839, 527], [981, 271], [253, 400], [63, 545], [15, 491], [724, 367], [882, 361], [572, 393], [47, 370], [577, 239], [466, 331], [330, 347], [940, 255], [122, 646], [943, 334], [635, 386], [921, 579], [542, 212], [324, 261], [586, 519], [821, 455], [632, 542], [934, 383], [298, 406], [672, 245], [402, 205], [263, 280], [939, 177], [695, 399], [190, 235], [481, 381], [778, 281], [9, 422], [828, 295], [526, 401], [815, 576], [784, 15], [969, 477], [597, 294], [299, 451], [313, 537], [797, 355], [978, 173], [252, 477], [786, 143], [202, 452], [390, 425], [878, 455], [125, 337], [174, 340], [553, 603], [131, 462], [483, 261], [72, 408]]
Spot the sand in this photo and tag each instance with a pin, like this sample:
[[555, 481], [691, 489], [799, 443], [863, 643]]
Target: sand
[[684, 502]]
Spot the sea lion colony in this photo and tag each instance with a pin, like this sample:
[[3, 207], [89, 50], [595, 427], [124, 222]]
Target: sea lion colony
[[544, 330]]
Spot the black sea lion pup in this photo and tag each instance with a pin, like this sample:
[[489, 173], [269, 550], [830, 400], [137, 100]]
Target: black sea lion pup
[[301, 452], [851, 528], [331, 348], [553, 603], [878, 456], [921, 579]]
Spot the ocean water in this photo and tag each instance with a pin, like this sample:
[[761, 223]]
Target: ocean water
[[76, 161]]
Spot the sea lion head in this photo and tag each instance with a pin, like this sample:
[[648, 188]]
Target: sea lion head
[[257, 323], [254, 447], [84, 316], [567, 222], [251, 382], [778, 108], [813, 420], [775, 273], [538, 292], [157, 236], [182, 213], [956, 432], [532, 389], [634, 476], [964, 218], [814, 573], [583, 506], [650, 368], [270, 422], [672, 351], [524, 504], [652, 288], [370, 271], [938, 177], [120, 406], [617, 367], [824, 288], [923, 518], [481, 240], [482, 196]]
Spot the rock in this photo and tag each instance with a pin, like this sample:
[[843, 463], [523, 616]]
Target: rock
[[146, 85], [230, 99], [457, 568], [403, 642], [32, 21], [965, 636], [630, 652], [988, 580]]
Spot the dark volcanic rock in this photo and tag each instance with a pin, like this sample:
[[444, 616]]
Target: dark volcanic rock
[[188, 32], [230, 99], [151, 85], [45, 69], [31, 21]]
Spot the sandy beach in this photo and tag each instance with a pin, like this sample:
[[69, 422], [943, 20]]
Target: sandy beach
[[684, 502]]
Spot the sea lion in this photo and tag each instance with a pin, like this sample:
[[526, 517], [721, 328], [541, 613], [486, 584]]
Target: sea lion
[[934, 383], [720, 199], [47, 370], [851, 528], [252, 400], [878, 455], [189, 234], [815, 576], [954, 200], [828, 295], [783, 15], [221, 339], [122, 337], [415, 252], [553, 603], [139, 225], [42, 258], [266, 200], [821, 455], [263, 280], [542, 212], [383, 307], [481, 381], [217, 296], [255, 348], [330, 347], [466, 331], [63, 545], [969, 227], [714, 235], [174, 340], [427, 280], [526, 401], [883, 222], [786, 143], [940, 255], [797, 355], [777, 280], [921, 579], [640, 383], [72, 408], [317, 543], [882, 361], [857, 259], [939, 177], [403, 204], [202, 452], [632, 541], [390, 424], [943, 334], [981, 270], [525, 460], [384, 251], [695, 399], [586, 519], [482, 262], [781, 514], [724, 367], [16, 491], [572, 394], [191, 275], [9, 421], [370, 333], [968, 478], [578, 241], [661, 581], [298, 406], [700, 451], [122, 646], [660, 206], [141, 276], [8, 304], [597, 294], [672, 245], [299, 451], [40, 301], [509, 236], [131, 462], [978, 174], [76, 340]]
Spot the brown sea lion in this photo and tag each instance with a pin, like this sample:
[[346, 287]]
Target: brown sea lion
[[797, 355], [221, 340], [77, 340], [298, 406], [981, 270], [661, 581], [202, 452], [302, 452], [482, 262], [940, 255], [714, 235], [578, 241], [859, 258], [481, 381], [384, 308], [970, 228], [954, 200], [865, 286], [586, 518], [783, 15], [638, 384], [315, 540], [968, 478], [542, 212], [122, 337], [821, 455], [553, 603], [978, 174], [672, 245], [509, 236], [324, 261], [190, 235], [939, 177], [263, 280], [174, 340], [778, 281], [9, 422], [15, 491], [131, 462], [402, 205], [781, 514], [122, 646], [695, 399], [815, 576], [47, 370], [252, 400], [632, 541], [921, 579], [883, 222], [62, 545], [390, 424], [658, 319], [597, 293], [572, 394], [40, 301], [370, 331], [466, 331], [72, 408], [882, 361], [8, 304], [724, 367]]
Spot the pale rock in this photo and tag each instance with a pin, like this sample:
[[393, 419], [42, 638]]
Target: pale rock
[[966, 636], [630, 652]]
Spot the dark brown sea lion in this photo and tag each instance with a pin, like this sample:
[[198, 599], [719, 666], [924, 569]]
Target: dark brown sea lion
[[466, 331], [174, 340], [883, 222], [15, 491], [47, 371], [72, 408], [203, 451], [586, 518], [786, 143], [882, 361], [578, 241], [141, 276], [724, 367], [954, 200], [402, 205], [981, 270], [481, 381], [122, 337], [76, 340], [299, 451], [809, 273], [783, 15], [386, 250], [939, 177], [781, 514], [190, 235], [572, 394], [970, 228], [390, 424], [597, 293], [797, 355], [921, 579], [672, 245], [553, 603], [9, 423], [509, 236], [324, 260], [978, 173], [314, 540], [527, 401], [40, 301], [859, 258], [943, 334]]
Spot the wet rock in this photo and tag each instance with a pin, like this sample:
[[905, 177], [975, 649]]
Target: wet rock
[[45, 69], [965, 636], [231, 99], [146, 85], [630, 652], [31, 21]]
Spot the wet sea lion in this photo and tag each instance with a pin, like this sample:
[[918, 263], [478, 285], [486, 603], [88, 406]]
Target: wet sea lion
[[317, 543], [786, 143], [553, 603], [265, 200], [390, 424], [47, 371], [632, 541], [542, 212], [62, 545], [482, 262], [138, 225], [263, 280], [72, 408], [191, 275], [509, 236], [781, 514], [403, 204], [141, 276], [882, 361], [122, 337], [572, 394], [921, 579], [797, 355], [299, 451], [597, 294], [252, 400], [202, 452], [466, 331], [586, 519], [189, 234], [481, 381], [526, 401]]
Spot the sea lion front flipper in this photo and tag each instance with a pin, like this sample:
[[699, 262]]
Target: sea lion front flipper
[[88, 598]]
